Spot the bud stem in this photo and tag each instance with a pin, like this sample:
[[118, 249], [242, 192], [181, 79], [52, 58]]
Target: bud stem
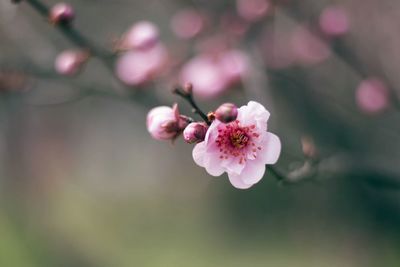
[[74, 35], [188, 96]]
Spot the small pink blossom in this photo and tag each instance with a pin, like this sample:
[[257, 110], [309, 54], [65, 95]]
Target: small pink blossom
[[211, 75], [142, 35], [138, 67], [61, 13], [165, 123], [372, 96], [241, 148], [205, 74], [70, 62], [334, 21]]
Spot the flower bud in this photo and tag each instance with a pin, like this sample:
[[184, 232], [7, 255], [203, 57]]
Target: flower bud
[[143, 35], [195, 132], [334, 21], [165, 123], [61, 13], [70, 62], [372, 96], [308, 147], [226, 112]]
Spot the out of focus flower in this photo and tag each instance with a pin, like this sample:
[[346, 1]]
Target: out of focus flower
[[211, 75], [253, 10], [308, 146], [240, 148], [372, 96], [334, 21], [61, 13], [187, 23], [195, 132], [226, 112], [307, 48], [142, 35], [165, 123], [70, 62], [235, 65], [141, 66]]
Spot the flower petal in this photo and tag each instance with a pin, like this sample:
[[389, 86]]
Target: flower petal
[[271, 149], [199, 153], [237, 182], [252, 173], [252, 113], [210, 161]]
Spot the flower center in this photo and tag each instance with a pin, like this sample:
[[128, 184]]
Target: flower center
[[234, 140], [239, 138]]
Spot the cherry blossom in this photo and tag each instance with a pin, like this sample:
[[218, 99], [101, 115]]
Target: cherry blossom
[[241, 148]]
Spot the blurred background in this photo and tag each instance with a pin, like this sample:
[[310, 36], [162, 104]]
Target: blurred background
[[83, 183]]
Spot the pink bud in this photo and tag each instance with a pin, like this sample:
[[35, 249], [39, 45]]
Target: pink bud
[[226, 112], [195, 132], [142, 35], [253, 10], [161, 123], [70, 62], [138, 67], [165, 123], [61, 13], [187, 23], [334, 21], [372, 95]]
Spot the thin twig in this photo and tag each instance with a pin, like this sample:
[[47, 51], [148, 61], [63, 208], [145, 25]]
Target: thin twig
[[188, 96]]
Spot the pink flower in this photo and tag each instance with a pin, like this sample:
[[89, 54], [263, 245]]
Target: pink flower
[[334, 21], [142, 35], [165, 123], [372, 96], [241, 148], [70, 62], [138, 67], [211, 75], [206, 75], [61, 13]]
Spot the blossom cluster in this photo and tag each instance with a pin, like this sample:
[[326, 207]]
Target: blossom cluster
[[234, 140]]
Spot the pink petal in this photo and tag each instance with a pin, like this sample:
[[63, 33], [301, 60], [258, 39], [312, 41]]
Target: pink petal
[[209, 161], [252, 173], [232, 165], [252, 113], [238, 183], [271, 149], [199, 152]]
